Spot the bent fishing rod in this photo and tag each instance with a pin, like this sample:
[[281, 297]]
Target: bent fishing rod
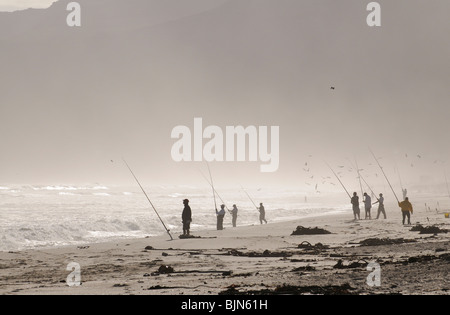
[[369, 187], [167, 230], [215, 191], [212, 186], [359, 176], [339, 180], [446, 181], [250, 198], [381, 168]]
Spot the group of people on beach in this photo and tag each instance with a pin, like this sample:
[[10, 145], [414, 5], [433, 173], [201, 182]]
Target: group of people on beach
[[186, 216], [405, 206]]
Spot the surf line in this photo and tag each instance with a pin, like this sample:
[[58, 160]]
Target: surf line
[[229, 146]]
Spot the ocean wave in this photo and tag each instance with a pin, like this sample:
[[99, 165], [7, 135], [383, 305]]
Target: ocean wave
[[48, 215], [73, 232], [63, 193]]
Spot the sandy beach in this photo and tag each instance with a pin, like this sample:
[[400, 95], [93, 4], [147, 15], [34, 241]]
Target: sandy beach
[[258, 259]]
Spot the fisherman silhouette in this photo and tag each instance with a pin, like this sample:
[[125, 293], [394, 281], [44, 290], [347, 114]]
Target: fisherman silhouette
[[186, 217], [381, 209], [355, 203], [220, 216], [262, 213], [407, 210], [367, 206], [234, 213]]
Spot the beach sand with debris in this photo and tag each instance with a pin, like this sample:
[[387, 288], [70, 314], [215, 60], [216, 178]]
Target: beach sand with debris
[[258, 259]]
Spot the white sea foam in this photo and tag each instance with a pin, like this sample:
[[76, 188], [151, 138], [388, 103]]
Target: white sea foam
[[102, 194], [46, 216]]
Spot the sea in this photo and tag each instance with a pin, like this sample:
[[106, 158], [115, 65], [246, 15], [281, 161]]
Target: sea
[[43, 216]]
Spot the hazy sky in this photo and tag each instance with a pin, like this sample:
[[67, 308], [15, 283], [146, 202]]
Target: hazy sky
[[72, 100]]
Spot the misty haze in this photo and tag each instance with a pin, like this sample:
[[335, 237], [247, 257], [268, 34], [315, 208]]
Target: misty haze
[[282, 108]]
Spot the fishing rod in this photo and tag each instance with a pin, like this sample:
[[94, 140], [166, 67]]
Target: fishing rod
[[212, 186], [339, 180], [215, 191], [378, 162], [249, 197], [167, 230], [359, 177], [399, 177], [368, 186], [446, 182], [365, 182]]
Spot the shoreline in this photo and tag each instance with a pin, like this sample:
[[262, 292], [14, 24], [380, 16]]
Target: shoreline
[[178, 231], [260, 259]]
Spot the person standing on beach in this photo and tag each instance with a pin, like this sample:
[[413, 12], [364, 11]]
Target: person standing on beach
[[262, 213], [381, 209], [407, 210], [220, 216], [234, 213], [186, 217], [355, 203], [367, 206]]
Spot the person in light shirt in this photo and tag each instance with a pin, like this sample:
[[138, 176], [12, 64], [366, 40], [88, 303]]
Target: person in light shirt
[[381, 209], [367, 206]]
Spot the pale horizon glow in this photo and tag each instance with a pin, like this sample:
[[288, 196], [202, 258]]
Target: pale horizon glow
[[17, 5]]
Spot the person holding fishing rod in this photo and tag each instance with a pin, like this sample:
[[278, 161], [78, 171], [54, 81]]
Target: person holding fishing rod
[[405, 205], [234, 214], [407, 210], [186, 217], [381, 209], [261, 209], [354, 200], [355, 203], [367, 206], [220, 215], [262, 213]]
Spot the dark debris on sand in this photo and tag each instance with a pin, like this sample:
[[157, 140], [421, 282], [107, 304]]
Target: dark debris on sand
[[304, 268], [318, 246], [188, 237], [266, 253], [427, 229], [165, 269], [384, 241], [284, 289], [309, 231]]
